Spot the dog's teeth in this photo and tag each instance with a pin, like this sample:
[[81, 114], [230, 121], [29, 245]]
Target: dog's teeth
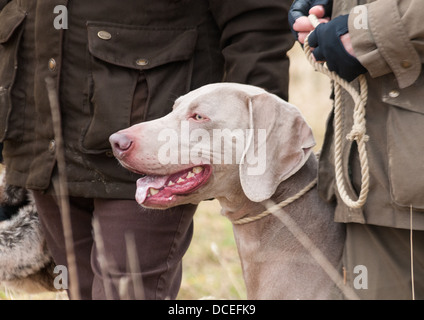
[[190, 175], [197, 170], [154, 191], [170, 183], [180, 180]]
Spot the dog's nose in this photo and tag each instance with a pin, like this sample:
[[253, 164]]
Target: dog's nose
[[120, 144]]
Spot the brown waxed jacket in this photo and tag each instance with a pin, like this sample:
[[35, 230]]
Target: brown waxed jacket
[[391, 46], [118, 63]]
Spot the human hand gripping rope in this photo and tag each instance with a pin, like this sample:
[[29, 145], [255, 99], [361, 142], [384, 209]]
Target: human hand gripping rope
[[358, 132]]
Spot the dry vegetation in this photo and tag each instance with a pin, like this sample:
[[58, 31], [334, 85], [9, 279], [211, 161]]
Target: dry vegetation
[[211, 265]]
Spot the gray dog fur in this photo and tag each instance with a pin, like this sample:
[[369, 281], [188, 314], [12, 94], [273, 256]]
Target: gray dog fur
[[25, 262]]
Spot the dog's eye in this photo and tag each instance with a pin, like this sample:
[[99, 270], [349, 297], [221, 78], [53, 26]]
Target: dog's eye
[[198, 117]]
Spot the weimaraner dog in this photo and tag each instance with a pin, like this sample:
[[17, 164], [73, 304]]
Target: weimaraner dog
[[241, 145]]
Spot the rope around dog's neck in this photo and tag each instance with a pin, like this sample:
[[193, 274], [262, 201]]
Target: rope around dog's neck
[[280, 205], [358, 132]]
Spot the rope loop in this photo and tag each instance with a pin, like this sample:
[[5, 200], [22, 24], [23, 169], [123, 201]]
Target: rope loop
[[358, 131]]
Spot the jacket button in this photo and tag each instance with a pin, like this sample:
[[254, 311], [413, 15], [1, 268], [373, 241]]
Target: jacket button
[[104, 35], [142, 62], [405, 64], [52, 64], [394, 93], [52, 146], [109, 154]]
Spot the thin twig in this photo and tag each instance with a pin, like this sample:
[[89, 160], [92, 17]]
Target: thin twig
[[412, 252], [62, 191], [134, 267], [227, 268], [101, 258], [313, 250]]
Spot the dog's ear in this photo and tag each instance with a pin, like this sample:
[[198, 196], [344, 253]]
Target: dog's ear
[[279, 144]]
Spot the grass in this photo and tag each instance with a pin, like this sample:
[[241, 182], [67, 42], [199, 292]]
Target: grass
[[212, 266]]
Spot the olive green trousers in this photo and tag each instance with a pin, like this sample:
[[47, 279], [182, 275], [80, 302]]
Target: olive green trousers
[[377, 262]]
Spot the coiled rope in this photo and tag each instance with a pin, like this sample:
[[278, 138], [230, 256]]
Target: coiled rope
[[358, 132]]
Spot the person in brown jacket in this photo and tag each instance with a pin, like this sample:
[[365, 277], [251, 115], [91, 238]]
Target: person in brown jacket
[[384, 250], [112, 64]]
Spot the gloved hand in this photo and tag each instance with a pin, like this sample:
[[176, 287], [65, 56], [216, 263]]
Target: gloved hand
[[329, 47], [301, 9]]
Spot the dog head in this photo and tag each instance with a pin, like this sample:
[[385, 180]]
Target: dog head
[[220, 140]]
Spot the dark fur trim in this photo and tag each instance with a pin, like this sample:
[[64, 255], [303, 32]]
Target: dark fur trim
[[24, 257]]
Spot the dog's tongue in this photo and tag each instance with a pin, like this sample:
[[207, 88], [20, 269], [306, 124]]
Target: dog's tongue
[[143, 185]]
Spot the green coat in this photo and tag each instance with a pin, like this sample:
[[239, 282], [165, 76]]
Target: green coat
[[391, 47], [119, 63]]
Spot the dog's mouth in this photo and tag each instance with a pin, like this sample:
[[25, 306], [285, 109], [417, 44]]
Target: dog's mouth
[[162, 191]]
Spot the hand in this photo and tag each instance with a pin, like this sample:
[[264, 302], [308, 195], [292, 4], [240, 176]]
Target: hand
[[298, 16], [347, 44], [331, 43]]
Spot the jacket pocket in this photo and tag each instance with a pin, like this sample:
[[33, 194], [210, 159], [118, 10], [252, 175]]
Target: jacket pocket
[[11, 19], [122, 56], [405, 143]]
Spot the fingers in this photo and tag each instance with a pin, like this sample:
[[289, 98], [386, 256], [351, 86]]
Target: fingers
[[298, 16], [303, 26], [347, 44], [319, 11], [302, 36]]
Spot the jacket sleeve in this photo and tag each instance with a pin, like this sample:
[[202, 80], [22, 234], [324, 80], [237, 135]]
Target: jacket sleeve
[[255, 39], [388, 37]]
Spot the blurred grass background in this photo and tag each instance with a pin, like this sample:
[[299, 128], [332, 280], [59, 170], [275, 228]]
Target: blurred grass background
[[211, 266]]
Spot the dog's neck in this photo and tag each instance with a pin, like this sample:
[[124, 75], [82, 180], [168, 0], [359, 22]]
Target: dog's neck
[[237, 206], [272, 256]]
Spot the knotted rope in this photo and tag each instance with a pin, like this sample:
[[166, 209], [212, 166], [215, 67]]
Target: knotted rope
[[358, 132]]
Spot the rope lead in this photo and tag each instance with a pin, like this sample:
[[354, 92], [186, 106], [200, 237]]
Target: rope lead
[[358, 132]]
